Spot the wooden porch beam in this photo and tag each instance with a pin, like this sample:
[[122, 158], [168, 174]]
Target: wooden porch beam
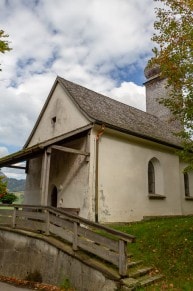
[[69, 150]]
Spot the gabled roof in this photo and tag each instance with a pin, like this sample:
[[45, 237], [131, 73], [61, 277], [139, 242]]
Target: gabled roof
[[114, 114], [101, 109]]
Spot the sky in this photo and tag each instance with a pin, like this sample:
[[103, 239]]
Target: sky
[[103, 45]]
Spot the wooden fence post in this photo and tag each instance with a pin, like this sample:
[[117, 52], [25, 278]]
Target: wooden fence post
[[75, 237], [122, 257], [14, 217]]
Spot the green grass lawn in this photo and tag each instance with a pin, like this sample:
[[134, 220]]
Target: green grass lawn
[[166, 244], [20, 197]]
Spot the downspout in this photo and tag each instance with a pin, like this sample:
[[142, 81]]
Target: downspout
[[99, 134]]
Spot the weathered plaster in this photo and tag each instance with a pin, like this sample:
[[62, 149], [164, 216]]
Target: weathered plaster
[[22, 254], [69, 173], [67, 115], [123, 179], [32, 186]]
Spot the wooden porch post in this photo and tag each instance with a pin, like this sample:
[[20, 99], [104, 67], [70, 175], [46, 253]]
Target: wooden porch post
[[45, 174]]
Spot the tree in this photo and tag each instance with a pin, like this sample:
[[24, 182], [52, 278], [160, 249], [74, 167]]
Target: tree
[[5, 196], [3, 185], [4, 44], [174, 55]]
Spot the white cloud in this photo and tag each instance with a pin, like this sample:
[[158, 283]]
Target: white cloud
[[14, 173], [85, 41], [3, 151], [131, 94]]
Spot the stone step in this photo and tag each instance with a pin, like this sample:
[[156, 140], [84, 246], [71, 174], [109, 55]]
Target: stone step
[[149, 280], [130, 283], [135, 283], [140, 272], [132, 264]]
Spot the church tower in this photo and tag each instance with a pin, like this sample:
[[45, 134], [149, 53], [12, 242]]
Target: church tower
[[155, 91]]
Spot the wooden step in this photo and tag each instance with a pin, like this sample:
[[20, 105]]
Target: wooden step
[[140, 272], [149, 280], [132, 264], [130, 283]]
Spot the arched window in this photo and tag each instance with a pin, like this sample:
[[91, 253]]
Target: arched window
[[186, 185], [151, 178], [155, 179]]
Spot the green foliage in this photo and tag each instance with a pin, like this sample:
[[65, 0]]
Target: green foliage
[[65, 285], [8, 198], [169, 249], [4, 44], [3, 185], [10, 184], [174, 55]]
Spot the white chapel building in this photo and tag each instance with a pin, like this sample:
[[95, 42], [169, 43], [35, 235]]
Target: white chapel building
[[108, 160]]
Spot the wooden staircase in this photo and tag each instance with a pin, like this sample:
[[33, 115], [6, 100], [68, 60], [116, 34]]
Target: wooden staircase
[[85, 238]]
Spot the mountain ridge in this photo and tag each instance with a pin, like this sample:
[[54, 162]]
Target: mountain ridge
[[14, 185]]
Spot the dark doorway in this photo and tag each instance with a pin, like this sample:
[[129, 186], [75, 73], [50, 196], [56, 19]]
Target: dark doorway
[[54, 197]]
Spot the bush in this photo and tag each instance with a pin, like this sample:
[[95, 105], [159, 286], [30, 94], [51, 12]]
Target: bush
[[8, 198]]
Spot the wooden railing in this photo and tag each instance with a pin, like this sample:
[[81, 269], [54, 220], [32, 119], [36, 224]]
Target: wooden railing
[[83, 234]]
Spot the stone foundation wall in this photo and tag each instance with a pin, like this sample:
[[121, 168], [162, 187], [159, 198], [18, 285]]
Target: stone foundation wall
[[22, 254]]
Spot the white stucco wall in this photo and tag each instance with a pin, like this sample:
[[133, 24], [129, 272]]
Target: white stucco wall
[[123, 179], [68, 117], [32, 187]]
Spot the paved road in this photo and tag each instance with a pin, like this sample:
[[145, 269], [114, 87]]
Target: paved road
[[8, 287]]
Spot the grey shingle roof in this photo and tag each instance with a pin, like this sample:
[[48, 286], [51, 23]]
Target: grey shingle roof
[[105, 110]]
